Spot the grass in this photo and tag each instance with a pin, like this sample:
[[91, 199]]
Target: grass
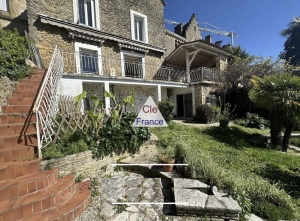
[[267, 181]]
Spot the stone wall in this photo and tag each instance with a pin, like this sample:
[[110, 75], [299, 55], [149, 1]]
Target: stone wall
[[83, 163], [191, 30], [15, 17], [201, 93], [62, 9], [115, 18]]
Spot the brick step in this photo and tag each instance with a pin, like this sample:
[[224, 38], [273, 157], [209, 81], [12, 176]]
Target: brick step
[[21, 87], [13, 140], [17, 118], [24, 94], [20, 101], [13, 170], [31, 82], [12, 189], [13, 129], [40, 201], [17, 153], [67, 210], [18, 109]]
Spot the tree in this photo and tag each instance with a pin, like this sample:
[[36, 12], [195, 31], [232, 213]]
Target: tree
[[235, 79], [238, 52], [279, 93], [291, 52]]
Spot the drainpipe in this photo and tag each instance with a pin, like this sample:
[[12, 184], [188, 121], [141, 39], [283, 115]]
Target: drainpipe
[[158, 93], [107, 99]]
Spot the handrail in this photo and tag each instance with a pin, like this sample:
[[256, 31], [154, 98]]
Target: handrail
[[46, 101]]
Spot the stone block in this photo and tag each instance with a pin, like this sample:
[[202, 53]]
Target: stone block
[[182, 183]]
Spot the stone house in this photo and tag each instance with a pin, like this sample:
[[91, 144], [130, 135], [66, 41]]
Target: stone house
[[13, 14], [122, 45]]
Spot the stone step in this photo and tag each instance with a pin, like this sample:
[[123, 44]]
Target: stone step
[[190, 191], [16, 109], [13, 140], [17, 153], [13, 129], [20, 101], [40, 201], [67, 210], [14, 188], [17, 118], [12, 170]]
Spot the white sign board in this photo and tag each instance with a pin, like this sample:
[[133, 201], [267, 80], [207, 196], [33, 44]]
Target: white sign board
[[149, 116]]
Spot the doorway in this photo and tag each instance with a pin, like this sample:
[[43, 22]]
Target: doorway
[[184, 105]]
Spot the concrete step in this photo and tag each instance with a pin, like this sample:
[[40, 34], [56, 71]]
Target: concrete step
[[12, 170], [17, 153], [14, 188]]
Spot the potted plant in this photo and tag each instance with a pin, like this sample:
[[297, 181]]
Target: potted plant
[[226, 115], [168, 157]]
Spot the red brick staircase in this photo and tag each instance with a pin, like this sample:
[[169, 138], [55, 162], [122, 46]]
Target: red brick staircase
[[25, 192]]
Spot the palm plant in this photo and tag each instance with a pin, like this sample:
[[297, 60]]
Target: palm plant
[[280, 94]]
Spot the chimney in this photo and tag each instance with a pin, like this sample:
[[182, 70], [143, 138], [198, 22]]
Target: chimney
[[179, 29], [208, 39], [218, 43], [226, 46]]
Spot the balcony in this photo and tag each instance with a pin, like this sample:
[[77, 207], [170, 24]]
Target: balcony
[[88, 63]]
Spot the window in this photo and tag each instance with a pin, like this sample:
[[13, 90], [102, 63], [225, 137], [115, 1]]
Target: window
[[87, 12], [133, 65], [88, 58], [3, 5], [139, 26]]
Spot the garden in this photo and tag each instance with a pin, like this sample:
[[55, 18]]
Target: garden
[[264, 181]]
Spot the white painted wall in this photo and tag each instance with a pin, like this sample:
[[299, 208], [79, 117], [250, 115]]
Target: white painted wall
[[71, 87], [141, 93]]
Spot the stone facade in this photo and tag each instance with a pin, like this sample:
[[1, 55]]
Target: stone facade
[[190, 30], [15, 17], [201, 93], [115, 18], [172, 40]]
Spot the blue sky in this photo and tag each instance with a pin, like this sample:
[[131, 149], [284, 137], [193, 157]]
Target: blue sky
[[257, 22]]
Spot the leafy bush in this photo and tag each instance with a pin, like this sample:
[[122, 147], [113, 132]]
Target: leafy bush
[[119, 137], [205, 114], [166, 108], [253, 121], [69, 144], [13, 52], [295, 141]]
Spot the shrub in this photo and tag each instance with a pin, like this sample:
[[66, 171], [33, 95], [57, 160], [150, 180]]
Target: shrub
[[253, 121], [13, 52], [166, 108], [205, 114]]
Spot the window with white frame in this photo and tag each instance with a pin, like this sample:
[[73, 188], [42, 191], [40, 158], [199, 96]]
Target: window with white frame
[[4, 5], [139, 26], [133, 64], [87, 12], [88, 58]]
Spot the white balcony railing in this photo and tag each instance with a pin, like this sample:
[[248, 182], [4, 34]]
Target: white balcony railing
[[94, 65]]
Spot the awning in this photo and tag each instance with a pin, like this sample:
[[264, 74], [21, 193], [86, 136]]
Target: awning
[[206, 54], [91, 33]]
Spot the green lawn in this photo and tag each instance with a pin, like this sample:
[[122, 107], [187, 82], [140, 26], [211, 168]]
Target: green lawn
[[263, 180]]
